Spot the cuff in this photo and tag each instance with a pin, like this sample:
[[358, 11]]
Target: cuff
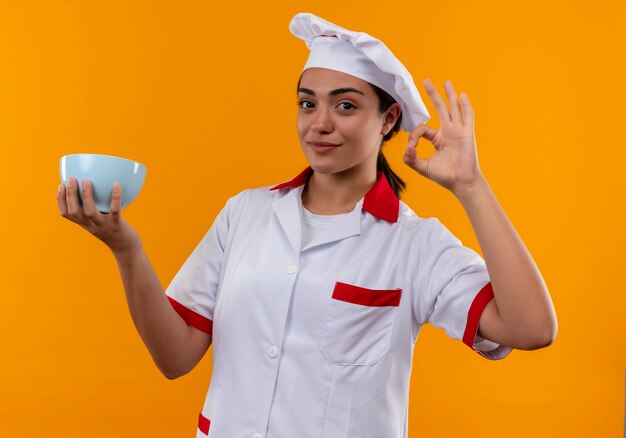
[[486, 348], [192, 318]]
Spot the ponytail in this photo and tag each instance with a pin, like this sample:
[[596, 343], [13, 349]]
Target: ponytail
[[396, 183], [382, 165]]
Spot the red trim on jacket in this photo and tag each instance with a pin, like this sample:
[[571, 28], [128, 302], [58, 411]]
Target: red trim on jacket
[[366, 297], [475, 311], [204, 424], [192, 318], [380, 200]]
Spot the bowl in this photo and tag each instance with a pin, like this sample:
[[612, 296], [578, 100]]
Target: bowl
[[103, 171]]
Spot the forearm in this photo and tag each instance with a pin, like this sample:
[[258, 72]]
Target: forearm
[[174, 346], [163, 331], [521, 297]]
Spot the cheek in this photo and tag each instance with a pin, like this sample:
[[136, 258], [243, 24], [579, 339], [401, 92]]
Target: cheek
[[301, 126], [362, 130]]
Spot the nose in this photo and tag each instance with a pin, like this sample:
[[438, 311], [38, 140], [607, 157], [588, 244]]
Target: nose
[[322, 121]]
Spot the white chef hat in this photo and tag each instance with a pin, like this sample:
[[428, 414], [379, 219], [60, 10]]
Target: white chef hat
[[361, 55]]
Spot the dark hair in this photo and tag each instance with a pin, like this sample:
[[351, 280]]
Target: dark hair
[[382, 165]]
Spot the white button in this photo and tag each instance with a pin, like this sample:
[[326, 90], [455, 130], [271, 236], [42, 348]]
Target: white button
[[272, 351], [292, 269], [256, 435]]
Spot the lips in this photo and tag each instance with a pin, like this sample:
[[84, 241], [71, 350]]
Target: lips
[[323, 146]]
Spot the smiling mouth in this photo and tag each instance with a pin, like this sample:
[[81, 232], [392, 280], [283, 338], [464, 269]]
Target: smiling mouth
[[323, 144], [323, 147]]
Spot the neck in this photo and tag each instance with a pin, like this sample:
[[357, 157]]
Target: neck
[[337, 193]]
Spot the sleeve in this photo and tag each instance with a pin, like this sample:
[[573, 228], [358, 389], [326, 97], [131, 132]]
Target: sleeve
[[453, 288], [193, 290]]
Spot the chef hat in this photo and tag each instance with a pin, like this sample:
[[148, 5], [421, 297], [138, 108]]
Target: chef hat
[[361, 55]]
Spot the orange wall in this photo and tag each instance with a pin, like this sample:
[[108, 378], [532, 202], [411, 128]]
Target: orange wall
[[204, 94]]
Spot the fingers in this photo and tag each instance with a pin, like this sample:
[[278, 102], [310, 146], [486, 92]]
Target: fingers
[[468, 112], [411, 159], [89, 206], [106, 227], [116, 202], [410, 155], [422, 131], [440, 104], [466, 116], [455, 109], [62, 201], [74, 210], [87, 215]]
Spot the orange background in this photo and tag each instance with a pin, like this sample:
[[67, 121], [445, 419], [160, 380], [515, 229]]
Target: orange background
[[203, 93]]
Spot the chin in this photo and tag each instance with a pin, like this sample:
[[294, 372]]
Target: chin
[[323, 168]]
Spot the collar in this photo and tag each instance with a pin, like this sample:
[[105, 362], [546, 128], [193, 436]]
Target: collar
[[380, 200]]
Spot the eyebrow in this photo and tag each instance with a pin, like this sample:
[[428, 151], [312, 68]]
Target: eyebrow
[[335, 92]]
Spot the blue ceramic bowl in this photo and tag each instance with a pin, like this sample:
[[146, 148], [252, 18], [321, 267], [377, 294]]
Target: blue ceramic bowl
[[103, 171]]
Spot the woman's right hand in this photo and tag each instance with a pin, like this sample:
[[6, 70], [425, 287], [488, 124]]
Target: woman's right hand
[[110, 228]]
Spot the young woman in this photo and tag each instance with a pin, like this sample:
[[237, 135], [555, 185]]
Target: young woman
[[312, 292]]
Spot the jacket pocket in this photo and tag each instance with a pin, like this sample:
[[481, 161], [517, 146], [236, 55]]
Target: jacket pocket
[[358, 324]]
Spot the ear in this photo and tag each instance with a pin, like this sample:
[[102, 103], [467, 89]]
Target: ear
[[390, 117]]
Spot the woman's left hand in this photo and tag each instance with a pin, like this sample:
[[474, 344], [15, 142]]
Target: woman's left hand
[[454, 165]]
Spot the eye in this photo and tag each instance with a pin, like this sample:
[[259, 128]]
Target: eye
[[304, 104], [347, 106]]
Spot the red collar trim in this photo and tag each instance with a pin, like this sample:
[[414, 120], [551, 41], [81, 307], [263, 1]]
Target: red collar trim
[[380, 200]]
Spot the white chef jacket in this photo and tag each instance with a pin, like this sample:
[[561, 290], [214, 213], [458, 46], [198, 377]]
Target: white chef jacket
[[316, 341]]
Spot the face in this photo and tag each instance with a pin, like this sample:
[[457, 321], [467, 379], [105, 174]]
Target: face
[[339, 125]]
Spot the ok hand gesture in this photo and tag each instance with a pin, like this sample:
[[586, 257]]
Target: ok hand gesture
[[454, 165]]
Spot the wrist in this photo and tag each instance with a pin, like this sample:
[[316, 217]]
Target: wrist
[[128, 251], [470, 191]]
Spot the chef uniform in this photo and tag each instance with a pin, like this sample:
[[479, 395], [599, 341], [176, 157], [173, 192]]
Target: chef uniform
[[314, 318]]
